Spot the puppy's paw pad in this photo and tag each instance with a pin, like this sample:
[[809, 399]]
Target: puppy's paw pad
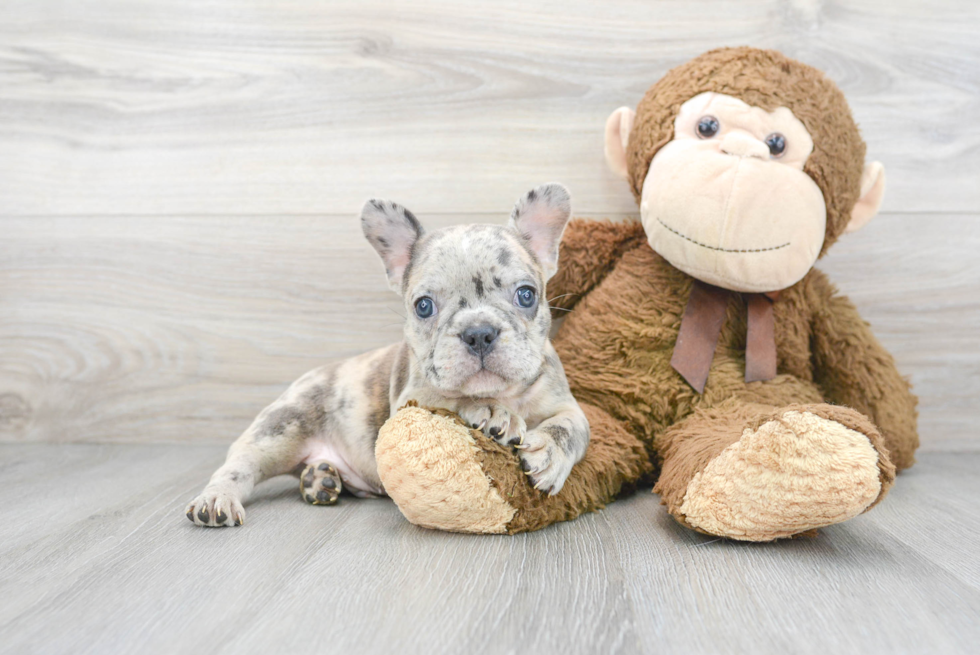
[[215, 509], [320, 484]]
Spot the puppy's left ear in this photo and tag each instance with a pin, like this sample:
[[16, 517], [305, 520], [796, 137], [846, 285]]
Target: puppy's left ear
[[393, 231], [540, 218]]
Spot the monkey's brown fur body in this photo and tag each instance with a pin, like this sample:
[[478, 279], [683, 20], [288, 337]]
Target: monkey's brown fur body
[[815, 445], [617, 343]]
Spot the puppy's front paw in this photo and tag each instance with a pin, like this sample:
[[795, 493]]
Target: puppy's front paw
[[545, 462], [215, 508], [496, 421], [506, 428], [475, 415]]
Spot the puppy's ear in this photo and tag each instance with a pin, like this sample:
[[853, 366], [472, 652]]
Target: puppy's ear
[[540, 218], [393, 231]]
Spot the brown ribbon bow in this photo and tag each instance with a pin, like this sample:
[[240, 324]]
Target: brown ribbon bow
[[701, 325]]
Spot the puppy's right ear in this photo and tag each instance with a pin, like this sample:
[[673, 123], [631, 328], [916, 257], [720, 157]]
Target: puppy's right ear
[[393, 231]]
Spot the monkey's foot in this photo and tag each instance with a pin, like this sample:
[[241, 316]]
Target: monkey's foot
[[444, 475], [430, 465], [793, 473], [320, 484]]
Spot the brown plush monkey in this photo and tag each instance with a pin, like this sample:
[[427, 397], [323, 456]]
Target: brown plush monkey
[[763, 401]]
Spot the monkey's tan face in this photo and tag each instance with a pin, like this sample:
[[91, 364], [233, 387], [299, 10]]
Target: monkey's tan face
[[727, 201]]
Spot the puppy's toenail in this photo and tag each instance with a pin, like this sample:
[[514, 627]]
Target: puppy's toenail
[[203, 515], [222, 517], [238, 520], [494, 431]]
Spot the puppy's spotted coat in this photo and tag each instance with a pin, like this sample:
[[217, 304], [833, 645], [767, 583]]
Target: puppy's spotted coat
[[476, 342]]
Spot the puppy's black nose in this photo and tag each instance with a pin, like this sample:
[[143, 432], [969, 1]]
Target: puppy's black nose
[[480, 338]]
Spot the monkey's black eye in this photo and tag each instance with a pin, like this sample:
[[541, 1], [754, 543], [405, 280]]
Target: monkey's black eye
[[708, 126], [525, 297], [776, 143], [424, 307]]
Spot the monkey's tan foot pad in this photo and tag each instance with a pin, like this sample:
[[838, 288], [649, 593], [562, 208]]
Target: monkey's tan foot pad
[[793, 473], [446, 476], [320, 484], [430, 465]]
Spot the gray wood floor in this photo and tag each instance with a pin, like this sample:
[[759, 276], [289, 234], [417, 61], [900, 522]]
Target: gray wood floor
[[96, 557]]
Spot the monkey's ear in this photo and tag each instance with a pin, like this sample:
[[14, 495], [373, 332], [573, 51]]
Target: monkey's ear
[[393, 231], [872, 193], [618, 127], [540, 218]]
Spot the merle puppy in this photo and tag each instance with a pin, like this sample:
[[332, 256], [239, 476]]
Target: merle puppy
[[476, 342]]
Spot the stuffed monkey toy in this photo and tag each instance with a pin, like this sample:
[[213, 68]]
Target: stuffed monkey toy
[[708, 353]]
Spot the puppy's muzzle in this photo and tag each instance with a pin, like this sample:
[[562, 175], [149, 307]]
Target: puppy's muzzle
[[480, 339]]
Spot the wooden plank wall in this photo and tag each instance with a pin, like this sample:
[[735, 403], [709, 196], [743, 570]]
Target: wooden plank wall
[[179, 181]]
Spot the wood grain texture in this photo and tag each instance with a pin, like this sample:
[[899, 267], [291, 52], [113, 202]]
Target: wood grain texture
[[183, 328], [131, 107], [178, 183], [97, 557]]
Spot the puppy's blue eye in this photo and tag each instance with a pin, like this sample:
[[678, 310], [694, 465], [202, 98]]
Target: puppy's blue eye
[[424, 307], [525, 297]]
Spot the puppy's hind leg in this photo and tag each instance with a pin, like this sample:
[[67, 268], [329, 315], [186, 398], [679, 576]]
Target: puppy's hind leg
[[248, 463], [276, 443], [320, 483]]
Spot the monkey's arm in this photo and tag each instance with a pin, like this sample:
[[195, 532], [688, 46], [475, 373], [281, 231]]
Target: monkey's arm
[[854, 369], [588, 251]]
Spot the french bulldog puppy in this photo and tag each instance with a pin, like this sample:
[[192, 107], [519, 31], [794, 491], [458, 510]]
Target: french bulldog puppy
[[476, 342]]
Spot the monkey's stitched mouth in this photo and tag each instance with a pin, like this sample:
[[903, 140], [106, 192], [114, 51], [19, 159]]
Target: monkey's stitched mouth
[[704, 245]]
